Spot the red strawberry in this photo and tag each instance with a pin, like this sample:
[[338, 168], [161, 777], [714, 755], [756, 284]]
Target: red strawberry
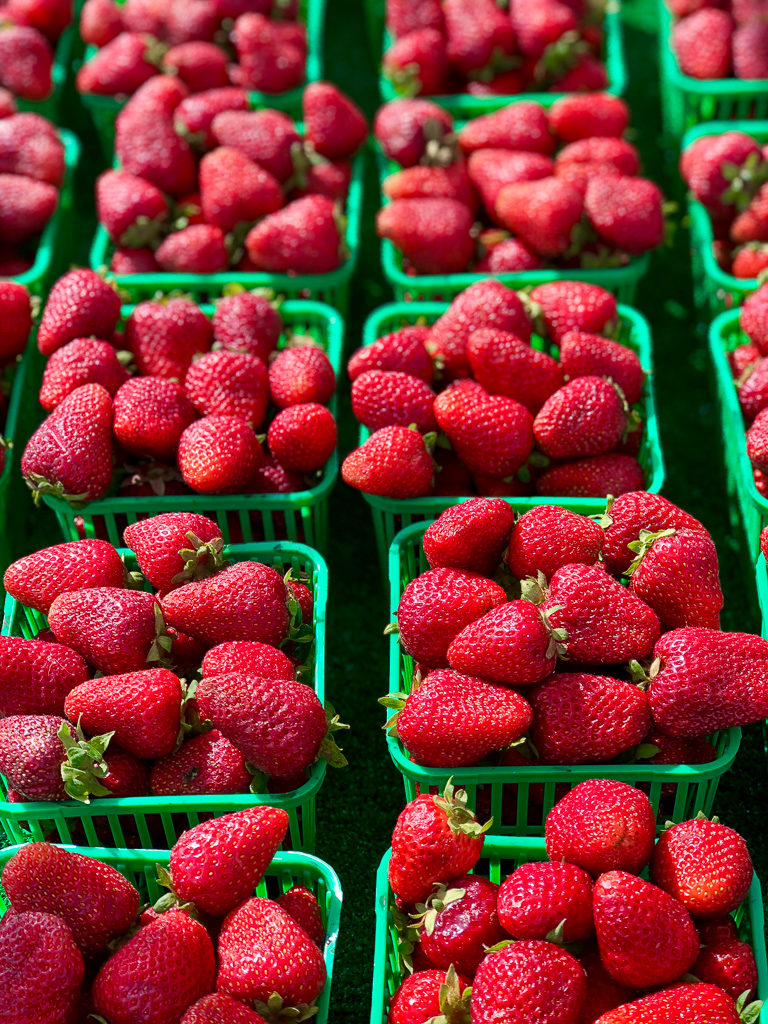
[[246, 322], [218, 864], [491, 434], [127, 775], [228, 384], [405, 129], [121, 66], [703, 864], [100, 22], [417, 63], [219, 455], [478, 34], [41, 968], [81, 303], [147, 145], [616, 153], [246, 601], [70, 453], [234, 190], [428, 182], [303, 238], [30, 146], [574, 306], [542, 213], [301, 903], [469, 536], [511, 257], [752, 390], [402, 350], [299, 375], [26, 62], [459, 923], [681, 1002], [166, 966], [130, 208], [272, 478], [510, 644], [271, 54], [35, 677], [583, 117], [537, 898], [26, 206], [702, 43], [731, 966], [626, 212], [383, 398], [434, 235], [548, 537], [742, 357], [16, 311], [150, 415], [193, 118], [519, 126], [427, 993], [175, 547], [94, 899], [133, 261], [749, 45], [717, 929], [37, 579], [589, 355], [628, 515], [79, 362], [594, 477], [455, 720], [435, 839], [265, 136], [303, 437], [645, 936], [219, 1008], [333, 123], [603, 993], [199, 64], [506, 365], [708, 680], [703, 162], [198, 249], [32, 755], [490, 169], [164, 337], [588, 416], [393, 462], [530, 980], [539, 27], [7, 103], [206, 764]]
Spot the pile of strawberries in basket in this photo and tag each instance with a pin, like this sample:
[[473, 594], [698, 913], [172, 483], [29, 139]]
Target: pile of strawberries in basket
[[205, 183], [259, 44], [78, 941], [518, 189], [525, 629], [192, 689], [184, 404], [29, 32], [578, 938], [487, 48], [513, 419], [720, 38]]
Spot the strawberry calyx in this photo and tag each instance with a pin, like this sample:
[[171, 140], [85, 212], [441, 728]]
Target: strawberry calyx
[[155, 52], [535, 589], [329, 750], [460, 819], [39, 486], [145, 231], [606, 519], [405, 80], [169, 900], [642, 546], [442, 148], [396, 702], [454, 1004], [749, 1013], [274, 1012], [744, 181], [602, 257], [191, 722], [85, 765], [201, 559], [426, 913], [558, 637], [299, 632], [407, 937], [641, 675], [559, 57], [160, 650]]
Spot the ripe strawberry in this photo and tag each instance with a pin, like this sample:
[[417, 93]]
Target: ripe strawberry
[[511, 257], [510, 644], [29, 146], [752, 390], [594, 477], [548, 537], [428, 993], [407, 128], [228, 384], [383, 398], [402, 350], [393, 462], [428, 182], [717, 929], [32, 755], [164, 337], [478, 34], [731, 966], [491, 434], [456, 720], [470, 536], [435, 839], [41, 968], [646, 937], [219, 455], [491, 169], [193, 118], [246, 322], [542, 213], [702, 167], [70, 453], [36, 579], [81, 303], [16, 312], [35, 677], [127, 775], [588, 416], [702, 43], [166, 966], [217, 864], [626, 212], [753, 319], [234, 190], [26, 62], [7, 103], [304, 237], [303, 437], [26, 206], [280, 958], [613, 152], [703, 864], [121, 66], [687, 1002], [519, 126], [131, 209], [708, 680], [272, 478], [506, 365], [175, 547], [48, 878], [530, 980], [206, 764], [417, 63], [219, 1008], [301, 374], [271, 54], [147, 145], [434, 235], [749, 45], [150, 415], [199, 64], [79, 362], [538, 897], [265, 136], [582, 117], [333, 124], [589, 355], [198, 249], [100, 22], [742, 357], [301, 903], [246, 601], [632, 513], [133, 261], [574, 306]]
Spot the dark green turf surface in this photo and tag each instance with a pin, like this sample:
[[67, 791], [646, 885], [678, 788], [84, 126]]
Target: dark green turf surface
[[358, 806]]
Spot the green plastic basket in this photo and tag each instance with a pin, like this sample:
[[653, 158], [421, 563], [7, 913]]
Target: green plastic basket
[[620, 281], [297, 516], [676, 792], [714, 289], [687, 101], [499, 858], [150, 821], [56, 237], [331, 288], [285, 870], [724, 336], [392, 514], [11, 432], [466, 105], [104, 109], [51, 106]]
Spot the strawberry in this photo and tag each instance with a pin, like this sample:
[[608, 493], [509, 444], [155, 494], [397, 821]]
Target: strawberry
[[717, 929], [200, 65], [456, 720], [147, 145], [217, 864], [142, 709], [506, 365], [490, 169], [689, 1002], [574, 306], [589, 355], [303, 238], [114, 629], [48, 878], [478, 34], [511, 257], [435, 839], [228, 384], [81, 303], [616, 153], [206, 764], [133, 261], [626, 212], [271, 54], [79, 362], [628, 515], [301, 903], [646, 937], [164, 337], [731, 966], [30, 146], [519, 126], [703, 163], [126, 776], [303, 437], [272, 478], [599, 115], [193, 118], [542, 213], [234, 190], [702, 43], [458, 923], [594, 477], [333, 124], [197, 249], [434, 235], [219, 455], [300, 375], [7, 103], [37, 579], [41, 968], [537, 898], [428, 182], [175, 547], [70, 453], [529, 980], [383, 398], [131, 209], [548, 537], [749, 45], [703, 864], [100, 22], [265, 136], [588, 416], [742, 357], [282, 743], [403, 16], [470, 536], [437, 605], [26, 62], [753, 319], [32, 755], [406, 129], [393, 462], [27, 206], [417, 63], [491, 434], [150, 415], [245, 322], [510, 644], [752, 390], [246, 601], [281, 958], [35, 677], [707, 680], [155, 976], [16, 311], [429, 993], [219, 1008]]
